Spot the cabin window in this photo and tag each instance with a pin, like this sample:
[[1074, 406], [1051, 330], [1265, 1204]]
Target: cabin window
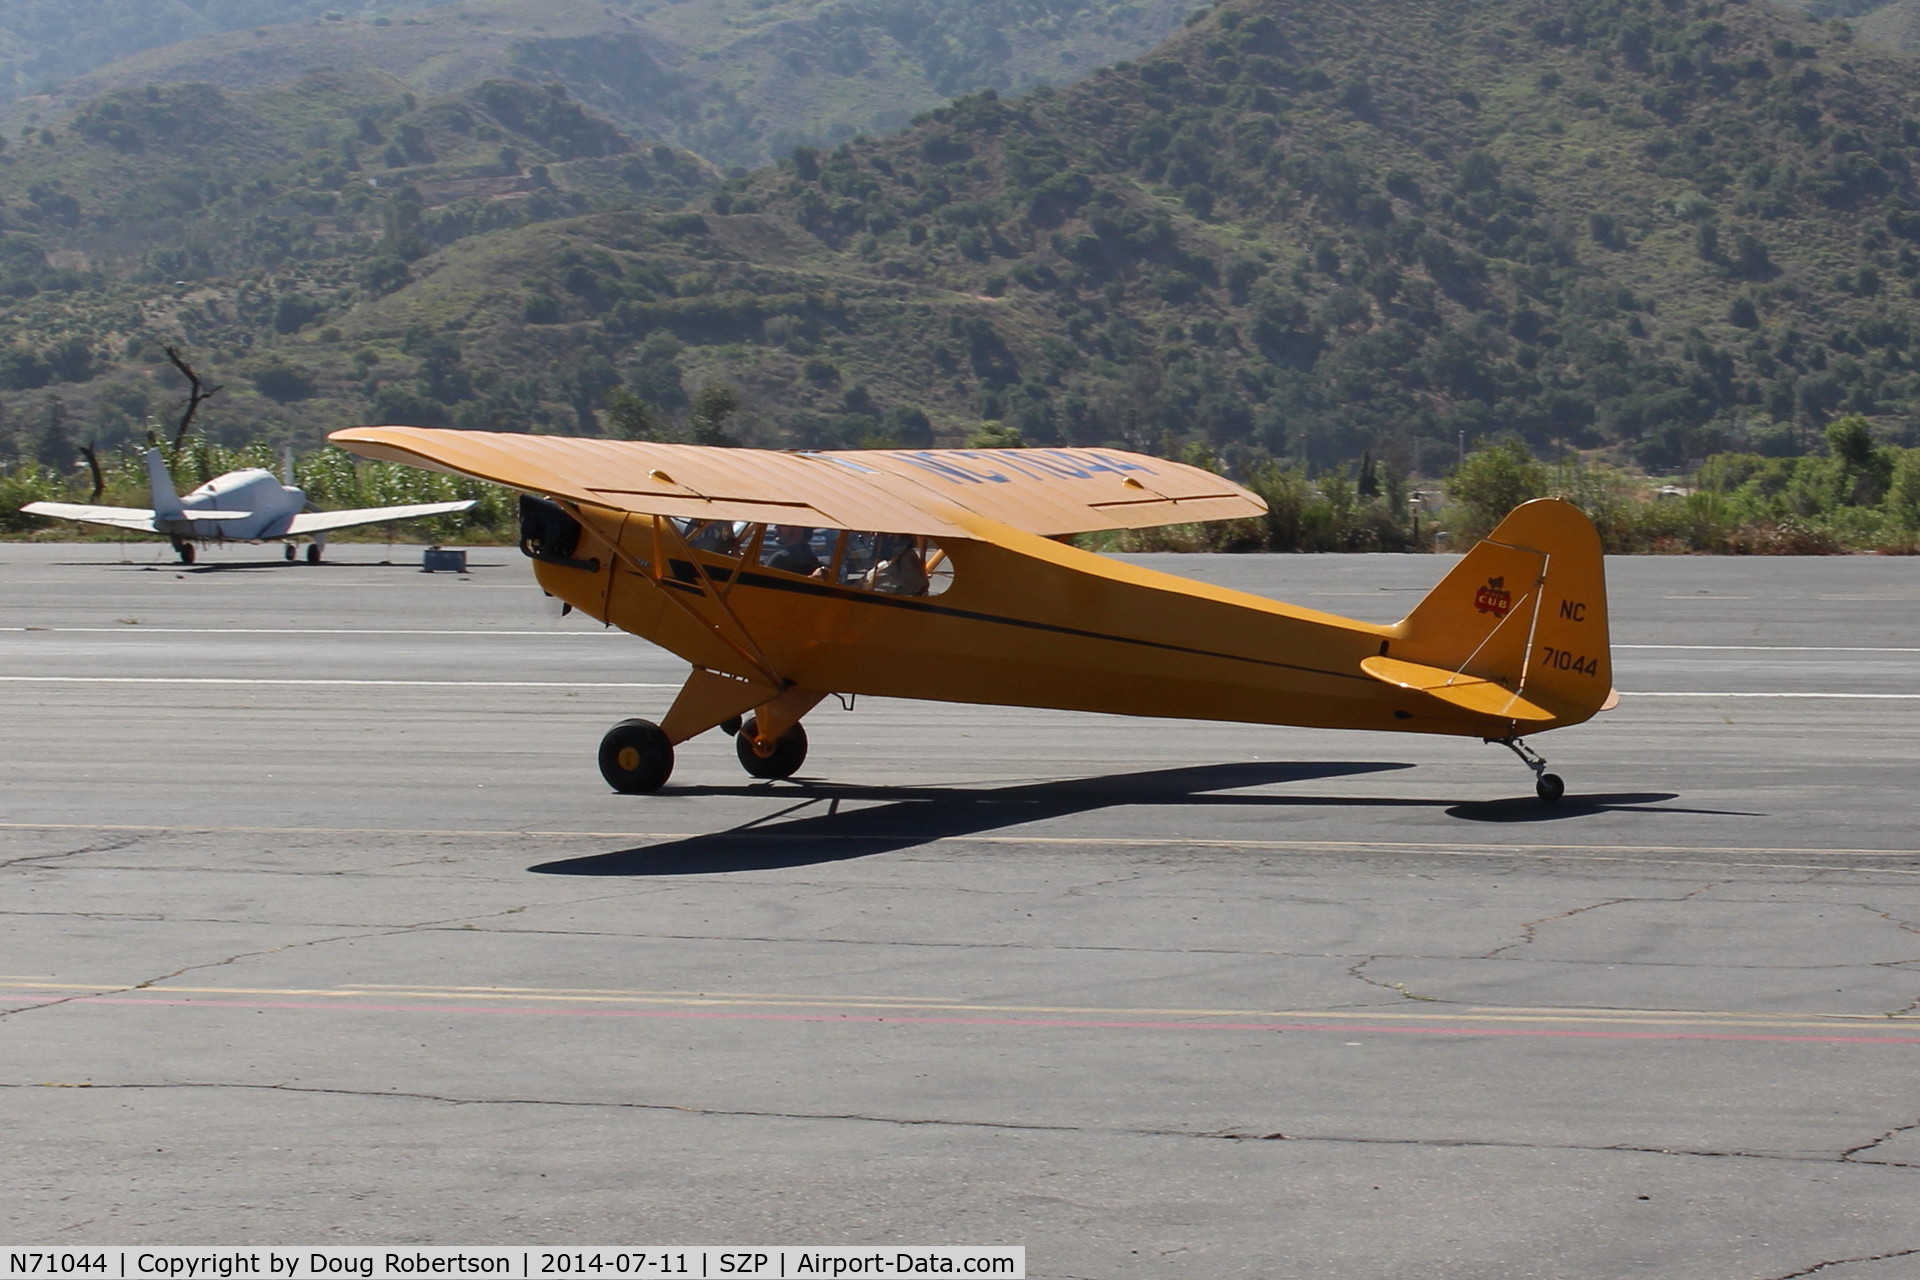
[[798, 549], [895, 564], [726, 540], [717, 537]]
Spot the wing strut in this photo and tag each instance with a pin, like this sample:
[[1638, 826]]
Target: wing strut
[[738, 638]]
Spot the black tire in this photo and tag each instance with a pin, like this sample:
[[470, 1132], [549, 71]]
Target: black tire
[[1550, 788], [789, 752], [313, 553], [635, 757], [290, 551], [186, 552]]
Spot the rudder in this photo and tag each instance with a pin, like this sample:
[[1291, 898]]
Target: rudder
[[1520, 622], [166, 499]]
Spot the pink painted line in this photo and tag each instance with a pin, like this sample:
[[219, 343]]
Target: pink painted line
[[1075, 1024]]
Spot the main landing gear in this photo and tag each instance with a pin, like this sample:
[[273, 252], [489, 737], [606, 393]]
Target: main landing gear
[[779, 758], [184, 550], [636, 756], [1548, 786]]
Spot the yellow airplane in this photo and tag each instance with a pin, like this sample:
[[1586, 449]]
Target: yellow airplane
[[941, 574]]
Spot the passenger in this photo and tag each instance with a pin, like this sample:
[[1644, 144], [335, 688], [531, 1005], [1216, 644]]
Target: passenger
[[717, 536], [795, 554], [898, 569]]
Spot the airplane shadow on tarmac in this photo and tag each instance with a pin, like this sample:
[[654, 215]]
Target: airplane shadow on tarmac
[[814, 829]]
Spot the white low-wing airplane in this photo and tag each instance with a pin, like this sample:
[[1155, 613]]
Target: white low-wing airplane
[[240, 506]]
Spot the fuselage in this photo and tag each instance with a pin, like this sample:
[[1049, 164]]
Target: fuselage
[[1026, 621], [272, 504]]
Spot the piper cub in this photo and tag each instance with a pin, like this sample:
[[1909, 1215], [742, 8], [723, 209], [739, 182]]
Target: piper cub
[[943, 574]]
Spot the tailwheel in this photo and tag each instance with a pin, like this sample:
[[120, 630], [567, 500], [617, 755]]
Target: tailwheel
[[635, 757], [1548, 786], [781, 758]]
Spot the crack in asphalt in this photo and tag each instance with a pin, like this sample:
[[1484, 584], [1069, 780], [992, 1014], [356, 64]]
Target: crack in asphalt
[[146, 984], [1400, 989], [1530, 930], [1818, 1267], [1849, 1155], [1012, 1126], [112, 844]]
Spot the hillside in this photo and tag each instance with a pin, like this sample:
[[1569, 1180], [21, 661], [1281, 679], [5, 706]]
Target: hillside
[[741, 82], [44, 43], [1309, 231]]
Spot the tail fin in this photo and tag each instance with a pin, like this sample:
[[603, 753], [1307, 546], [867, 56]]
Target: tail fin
[[166, 500], [1518, 629]]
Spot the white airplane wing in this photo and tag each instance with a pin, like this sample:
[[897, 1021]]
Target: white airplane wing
[[310, 522], [137, 518]]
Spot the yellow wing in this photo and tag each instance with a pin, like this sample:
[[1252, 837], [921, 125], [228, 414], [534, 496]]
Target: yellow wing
[[920, 491]]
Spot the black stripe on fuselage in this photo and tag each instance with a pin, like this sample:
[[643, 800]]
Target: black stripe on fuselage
[[809, 587]]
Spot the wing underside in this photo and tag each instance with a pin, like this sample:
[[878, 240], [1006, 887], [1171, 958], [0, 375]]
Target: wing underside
[[1050, 492]]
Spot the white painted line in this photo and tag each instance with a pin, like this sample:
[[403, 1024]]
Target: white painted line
[[1766, 648], [135, 628], [427, 684], [1889, 697], [639, 684]]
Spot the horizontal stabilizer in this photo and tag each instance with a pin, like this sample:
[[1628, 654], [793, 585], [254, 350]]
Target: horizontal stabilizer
[[1473, 693], [311, 522]]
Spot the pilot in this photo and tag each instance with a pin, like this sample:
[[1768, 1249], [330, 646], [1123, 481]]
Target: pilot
[[898, 569], [795, 554]]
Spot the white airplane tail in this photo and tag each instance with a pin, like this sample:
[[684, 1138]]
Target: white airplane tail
[[166, 499]]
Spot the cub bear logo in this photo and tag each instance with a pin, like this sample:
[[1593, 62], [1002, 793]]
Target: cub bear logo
[[1494, 598]]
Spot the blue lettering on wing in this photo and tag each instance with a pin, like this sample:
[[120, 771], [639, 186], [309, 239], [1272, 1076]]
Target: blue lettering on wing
[[1014, 462], [946, 470], [987, 457], [848, 463], [1051, 461], [1118, 465], [1033, 464], [1108, 463]]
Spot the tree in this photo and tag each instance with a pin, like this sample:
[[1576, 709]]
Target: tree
[[1903, 494], [994, 435], [628, 417], [198, 393], [1493, 481], [713, 404], [1862, 470]]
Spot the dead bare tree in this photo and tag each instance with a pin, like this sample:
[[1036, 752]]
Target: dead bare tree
[[93, 465], [198, 393]]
